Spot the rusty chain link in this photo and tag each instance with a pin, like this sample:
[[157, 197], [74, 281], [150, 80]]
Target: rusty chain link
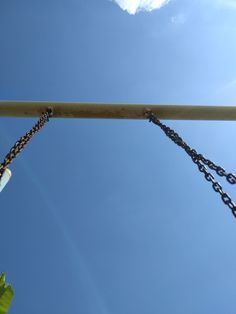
[[20, 144], [200, 161]]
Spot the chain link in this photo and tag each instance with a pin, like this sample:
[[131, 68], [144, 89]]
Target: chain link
[[200, 161], [20, 144]]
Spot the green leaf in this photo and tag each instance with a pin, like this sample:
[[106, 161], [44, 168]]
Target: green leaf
[[6, 295], [2, 279]]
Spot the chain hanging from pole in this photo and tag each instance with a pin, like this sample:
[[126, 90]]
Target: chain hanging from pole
[[200, 161], [20, 144]]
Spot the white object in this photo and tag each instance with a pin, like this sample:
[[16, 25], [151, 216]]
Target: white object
[[5, 178]]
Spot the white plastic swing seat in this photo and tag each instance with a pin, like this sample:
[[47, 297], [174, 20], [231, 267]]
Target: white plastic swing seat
[[5, 179]]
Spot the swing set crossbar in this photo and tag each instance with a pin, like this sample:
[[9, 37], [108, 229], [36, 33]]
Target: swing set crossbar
[[116, 111]]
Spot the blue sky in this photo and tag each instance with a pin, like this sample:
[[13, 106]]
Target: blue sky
[[108, 216]]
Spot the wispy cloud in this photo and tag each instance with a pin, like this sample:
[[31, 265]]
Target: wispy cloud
[[228, 87], [178, 19], [134, 6], [229, 3]]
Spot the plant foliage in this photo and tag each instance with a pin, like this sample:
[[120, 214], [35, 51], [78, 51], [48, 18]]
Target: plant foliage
[[6, 295]]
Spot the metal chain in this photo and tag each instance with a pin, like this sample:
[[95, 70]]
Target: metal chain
[[200, 161], [20, 144]]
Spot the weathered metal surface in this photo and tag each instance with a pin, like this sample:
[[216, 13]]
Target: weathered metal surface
[[116, 111]]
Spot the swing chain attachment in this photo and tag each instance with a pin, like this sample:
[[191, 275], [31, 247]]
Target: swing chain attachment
[[200, 161], [20, 144]]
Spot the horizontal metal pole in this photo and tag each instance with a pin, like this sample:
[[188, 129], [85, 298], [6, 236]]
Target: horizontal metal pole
[[115, 111]]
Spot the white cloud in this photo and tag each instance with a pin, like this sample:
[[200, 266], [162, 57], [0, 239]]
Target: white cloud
[[134, 6]]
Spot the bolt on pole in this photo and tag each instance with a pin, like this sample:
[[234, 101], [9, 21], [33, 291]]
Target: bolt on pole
[[116, 111]]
